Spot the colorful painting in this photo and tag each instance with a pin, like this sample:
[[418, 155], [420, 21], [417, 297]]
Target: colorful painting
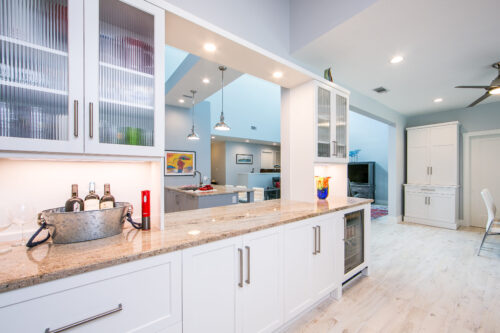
[[180, 163], [244, 159]]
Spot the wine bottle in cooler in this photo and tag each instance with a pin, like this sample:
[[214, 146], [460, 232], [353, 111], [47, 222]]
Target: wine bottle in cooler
[[92, 199], [74, 204], [107, 200]]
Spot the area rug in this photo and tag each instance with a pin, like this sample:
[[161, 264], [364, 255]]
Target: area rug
[[379, 211]]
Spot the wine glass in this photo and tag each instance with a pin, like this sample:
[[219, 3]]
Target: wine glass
[[20, 215], [4, 225]]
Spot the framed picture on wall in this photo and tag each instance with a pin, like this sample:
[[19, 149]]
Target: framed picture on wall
[[244, 159], [180, 163]]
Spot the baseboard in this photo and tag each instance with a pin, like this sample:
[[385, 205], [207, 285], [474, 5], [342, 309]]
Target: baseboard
[[432, 223]]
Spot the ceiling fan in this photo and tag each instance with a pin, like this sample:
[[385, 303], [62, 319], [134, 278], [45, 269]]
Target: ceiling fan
[[492, 89]]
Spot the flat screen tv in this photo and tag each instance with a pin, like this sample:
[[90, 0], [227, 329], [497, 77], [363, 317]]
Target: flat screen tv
[[361, 172]]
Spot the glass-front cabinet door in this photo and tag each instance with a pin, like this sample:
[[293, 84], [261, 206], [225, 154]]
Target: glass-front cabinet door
[[324, 124], [340, 142], [124, 77], [41, 50]]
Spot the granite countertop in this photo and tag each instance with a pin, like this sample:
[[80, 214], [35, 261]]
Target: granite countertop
[[219, 189], [26, 267]]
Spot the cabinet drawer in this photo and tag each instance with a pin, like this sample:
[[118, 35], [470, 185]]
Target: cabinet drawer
[[430, 189], [146, 300]]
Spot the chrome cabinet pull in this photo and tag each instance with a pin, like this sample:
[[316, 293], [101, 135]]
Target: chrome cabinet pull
[[75, 116], [314, 230], [319, 238], [334, 148], [91, 120], [240, 284], [431, 171], [86, 320], [429, 200], [247, 281], [345, 227]]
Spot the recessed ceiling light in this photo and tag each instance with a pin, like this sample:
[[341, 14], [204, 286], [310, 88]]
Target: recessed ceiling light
[[209, 47], [495, 91], [213, 137], [277, 75], [397, 59], [247, 140], [181, 100], [438, 100], [206, 80]]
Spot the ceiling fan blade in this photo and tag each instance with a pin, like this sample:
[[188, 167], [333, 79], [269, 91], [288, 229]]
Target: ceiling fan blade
[[479, 87], [479, 100]]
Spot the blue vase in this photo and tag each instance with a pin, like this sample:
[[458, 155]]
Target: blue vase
[[322, 194]]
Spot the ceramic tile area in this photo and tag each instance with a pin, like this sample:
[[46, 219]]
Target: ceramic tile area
[[423, 279]]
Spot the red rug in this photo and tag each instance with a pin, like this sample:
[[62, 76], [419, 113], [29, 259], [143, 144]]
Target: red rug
[[379, 211]]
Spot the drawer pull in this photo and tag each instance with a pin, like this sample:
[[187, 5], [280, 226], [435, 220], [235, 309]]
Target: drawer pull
[[428, 189], [84, 321]]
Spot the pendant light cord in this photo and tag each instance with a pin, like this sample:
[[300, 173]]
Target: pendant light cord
[[222, 112], [193, 112]]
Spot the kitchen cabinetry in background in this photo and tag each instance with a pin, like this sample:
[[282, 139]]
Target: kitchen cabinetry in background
[[49, 104], [431, 192], [331, 113]]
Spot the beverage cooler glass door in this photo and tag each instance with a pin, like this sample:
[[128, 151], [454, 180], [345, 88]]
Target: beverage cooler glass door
[[354, 247], [324, 124], [41, 48], [123, 90]]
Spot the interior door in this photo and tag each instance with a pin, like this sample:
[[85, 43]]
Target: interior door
[[262, 309], [211, 291], [416, 204], [418, 158], [298, 253], [484, 162], [41, 75], [124, 77], [443, 155]]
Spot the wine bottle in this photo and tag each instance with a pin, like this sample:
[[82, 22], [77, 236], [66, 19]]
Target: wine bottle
[[107, 200], [92, 199], [74, 204]]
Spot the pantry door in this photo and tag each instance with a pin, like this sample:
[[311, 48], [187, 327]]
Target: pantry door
[[484, 166], [124, 71], [41, 76]]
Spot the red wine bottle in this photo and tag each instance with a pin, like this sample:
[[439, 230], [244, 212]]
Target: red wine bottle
[[92, 199], [74, 204], [107, 200]]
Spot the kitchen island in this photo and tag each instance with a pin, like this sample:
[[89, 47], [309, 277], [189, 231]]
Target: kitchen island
[[177, 199], [167, 275]]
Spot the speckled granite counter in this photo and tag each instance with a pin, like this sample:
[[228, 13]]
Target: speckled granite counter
[[219, 189], [22, 267]]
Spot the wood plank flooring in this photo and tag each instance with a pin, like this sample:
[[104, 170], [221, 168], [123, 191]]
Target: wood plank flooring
[[422, 279]]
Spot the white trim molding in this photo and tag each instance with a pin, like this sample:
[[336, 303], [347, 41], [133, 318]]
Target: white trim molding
[[467, 137]]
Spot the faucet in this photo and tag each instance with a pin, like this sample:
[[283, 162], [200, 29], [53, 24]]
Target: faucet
[[201, 177]]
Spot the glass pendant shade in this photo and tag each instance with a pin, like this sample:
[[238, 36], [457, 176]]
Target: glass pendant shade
[[193, 136], [221, 125]]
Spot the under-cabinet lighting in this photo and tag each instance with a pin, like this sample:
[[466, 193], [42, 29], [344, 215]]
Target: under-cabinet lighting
[[209, 47], [277, 75]]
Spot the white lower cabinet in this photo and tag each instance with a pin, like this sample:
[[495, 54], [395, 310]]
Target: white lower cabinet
[[234, 285], [311, 267], [142, 296]]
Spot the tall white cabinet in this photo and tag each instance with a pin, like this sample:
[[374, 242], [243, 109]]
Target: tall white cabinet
[[82, 77], [431, 192]]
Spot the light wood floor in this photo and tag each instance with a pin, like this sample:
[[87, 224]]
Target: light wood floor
[[422, 279]]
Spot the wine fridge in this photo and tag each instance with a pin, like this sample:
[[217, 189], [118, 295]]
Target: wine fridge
[[354, 247]]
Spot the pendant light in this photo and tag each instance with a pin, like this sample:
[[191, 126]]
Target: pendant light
[[193, 136], [221, 125]]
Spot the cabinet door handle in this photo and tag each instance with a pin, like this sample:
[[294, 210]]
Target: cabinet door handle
[[429, 200], [91, 120], [75, 118], [426, 200], [431, 170], [315, 240], [427, 170], [345, 227], [240, 252], [319, 238], [247, 281], [334, 148], [84, 321]]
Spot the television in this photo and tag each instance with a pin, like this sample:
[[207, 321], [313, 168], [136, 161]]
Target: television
[[361, 172]]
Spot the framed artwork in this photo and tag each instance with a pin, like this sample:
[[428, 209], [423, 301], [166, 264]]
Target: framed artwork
[[244, 159], [180, 163]]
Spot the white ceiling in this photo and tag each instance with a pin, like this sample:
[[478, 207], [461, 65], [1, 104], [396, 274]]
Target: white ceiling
[[193, 79], [218, 138], [445, 43]]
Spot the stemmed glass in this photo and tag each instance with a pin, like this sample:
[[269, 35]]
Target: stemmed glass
[[20, 215], [4, 225]]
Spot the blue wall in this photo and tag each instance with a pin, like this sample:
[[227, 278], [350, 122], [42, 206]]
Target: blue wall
[[249, 101], [173, 58], [372, 137]]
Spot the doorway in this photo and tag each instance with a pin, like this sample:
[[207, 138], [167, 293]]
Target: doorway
[[482, 157]]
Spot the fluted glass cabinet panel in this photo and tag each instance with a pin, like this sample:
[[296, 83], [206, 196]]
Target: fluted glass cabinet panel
[[341, 126], [324, 122], [126, 74], [34, 89]]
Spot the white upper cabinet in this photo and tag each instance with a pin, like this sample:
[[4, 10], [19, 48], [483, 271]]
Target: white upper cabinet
[[82, 77], [41, 54], [433, 154], [331, 113]]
